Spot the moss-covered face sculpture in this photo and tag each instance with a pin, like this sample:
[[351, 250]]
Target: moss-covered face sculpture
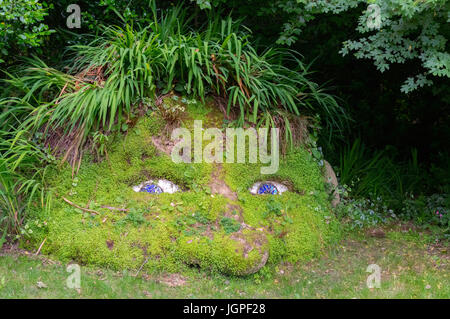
[[224, 217]]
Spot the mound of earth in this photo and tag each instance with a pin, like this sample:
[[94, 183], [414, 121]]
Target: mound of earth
[[213, 222]]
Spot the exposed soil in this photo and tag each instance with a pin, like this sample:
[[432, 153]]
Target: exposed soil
[[163, 144], [10, 249], [173, 280], [110, 244], [218, 185]]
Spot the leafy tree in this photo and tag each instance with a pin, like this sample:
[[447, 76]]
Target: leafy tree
[[407, 30], [21, 26], [391, 31]]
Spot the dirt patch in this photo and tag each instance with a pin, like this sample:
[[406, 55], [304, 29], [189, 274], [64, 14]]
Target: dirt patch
[[173, 280], [376, 232], [13, 250], [218, 185], [163, 144], [407, 226], [110, 244]]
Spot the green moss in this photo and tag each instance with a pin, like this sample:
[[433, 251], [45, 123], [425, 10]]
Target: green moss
[[170, 231], [297, 168], [229, 225], [221, 253]]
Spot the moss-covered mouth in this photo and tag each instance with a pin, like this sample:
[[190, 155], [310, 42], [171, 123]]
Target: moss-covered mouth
[[232, 232]]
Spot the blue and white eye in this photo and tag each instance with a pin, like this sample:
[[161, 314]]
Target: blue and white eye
[[157, 187], [268, 187], [151, 188]]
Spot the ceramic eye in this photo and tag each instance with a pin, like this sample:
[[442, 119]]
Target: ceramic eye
[[157, 187], [268, 187]]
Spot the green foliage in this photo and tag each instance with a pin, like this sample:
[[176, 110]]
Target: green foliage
[[307, 177], [108, 11], [408, 30], [99, 141], [206, 4], [364, 212], [171, 111], [366, 173], [363, 178], [273, 208], [197, 59], [108, 82], [420, 266], [79, 104], [110, 76], [291, 215], [430, 211], [411, 43], [135, 217], [130, 59], [172, 231], [229, 225], [21, 27], [22, 180], [221, 59]]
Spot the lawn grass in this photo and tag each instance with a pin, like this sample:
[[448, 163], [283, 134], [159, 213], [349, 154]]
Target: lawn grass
[[411, 267]]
